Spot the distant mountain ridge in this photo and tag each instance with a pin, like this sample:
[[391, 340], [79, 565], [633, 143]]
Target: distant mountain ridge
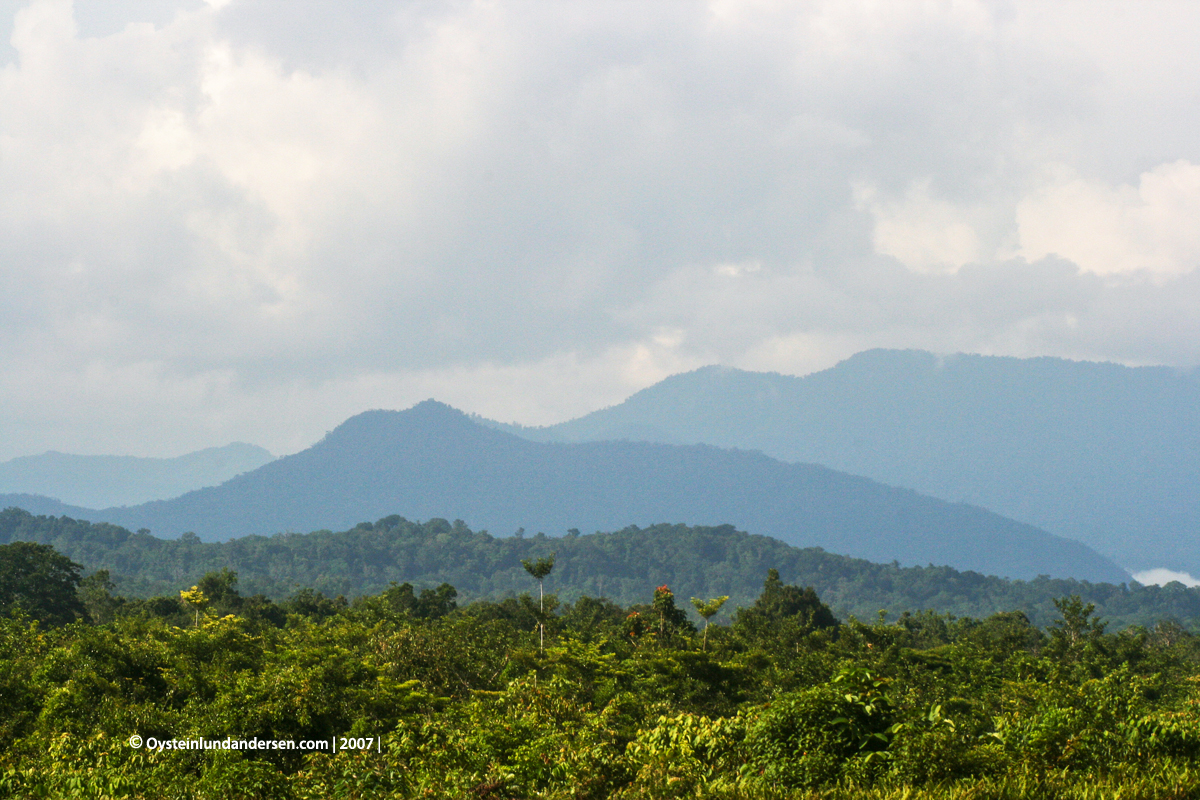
[[1101, 453], [433, 461], [103, 481]]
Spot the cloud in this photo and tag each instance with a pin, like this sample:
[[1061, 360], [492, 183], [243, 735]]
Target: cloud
[[125, 400], [1161, 577], [1117, 229], [217, 215], [925, 233]]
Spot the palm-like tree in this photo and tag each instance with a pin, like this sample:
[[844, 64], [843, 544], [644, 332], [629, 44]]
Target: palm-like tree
[[540, 569], [708, 610]]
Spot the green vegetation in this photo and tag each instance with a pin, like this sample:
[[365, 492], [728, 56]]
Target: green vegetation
[[707, 610], [696, 561], [430, 697], [539, 570], [39, 580]]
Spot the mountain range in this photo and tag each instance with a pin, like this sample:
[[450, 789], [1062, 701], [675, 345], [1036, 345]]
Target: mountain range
[[103, 481], [433, 461], [1100, 453]]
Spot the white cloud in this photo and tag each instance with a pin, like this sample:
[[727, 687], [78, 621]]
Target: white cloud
[[124, 414], [1117, 229], [921, 231], [1161, 577], [1105, 229], [212, 212]]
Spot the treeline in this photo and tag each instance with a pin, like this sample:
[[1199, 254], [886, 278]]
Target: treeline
[[432, 697], [700, 561]]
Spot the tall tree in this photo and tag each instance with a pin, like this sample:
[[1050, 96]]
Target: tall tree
[[196, 599], [540, 569], [783, 607], [671, 618], [708, 610]]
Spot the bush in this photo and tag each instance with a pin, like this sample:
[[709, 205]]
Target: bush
[[803, 739], [685, 755]]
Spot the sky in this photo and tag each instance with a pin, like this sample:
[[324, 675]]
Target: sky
[[251, 219]]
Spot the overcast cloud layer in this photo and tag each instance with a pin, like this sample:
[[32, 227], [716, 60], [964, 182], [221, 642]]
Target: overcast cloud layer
[[250, 219]]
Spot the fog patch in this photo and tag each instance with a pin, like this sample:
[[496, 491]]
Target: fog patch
[[1161, 577]]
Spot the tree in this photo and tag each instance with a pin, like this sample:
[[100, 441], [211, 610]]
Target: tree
[[431, 604], [671, 618], [783, 612], [708, 610], [1002, 635], [220, 590], [1077, 624], [1079, 634], [96, 594], [40, 581], [540, 569], [196, 599]]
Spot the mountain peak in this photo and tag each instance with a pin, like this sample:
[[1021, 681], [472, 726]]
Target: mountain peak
[[426, 411], [424, 424], [1098, 452], [432, 460]]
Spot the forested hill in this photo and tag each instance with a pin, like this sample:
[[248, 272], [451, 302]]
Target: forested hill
[[433, 461], [625, 566], [1101, 453]]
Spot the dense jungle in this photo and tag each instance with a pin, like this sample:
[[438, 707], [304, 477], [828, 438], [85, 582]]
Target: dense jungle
[[530, 697]]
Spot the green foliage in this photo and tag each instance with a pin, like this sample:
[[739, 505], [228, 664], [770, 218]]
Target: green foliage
[[96, 594], [39, 581], [403, 600], [686, 755], [624, 702], [707, 610], [540, 568], [804, 740], [783, 617], [698, 561], [671, 619]]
